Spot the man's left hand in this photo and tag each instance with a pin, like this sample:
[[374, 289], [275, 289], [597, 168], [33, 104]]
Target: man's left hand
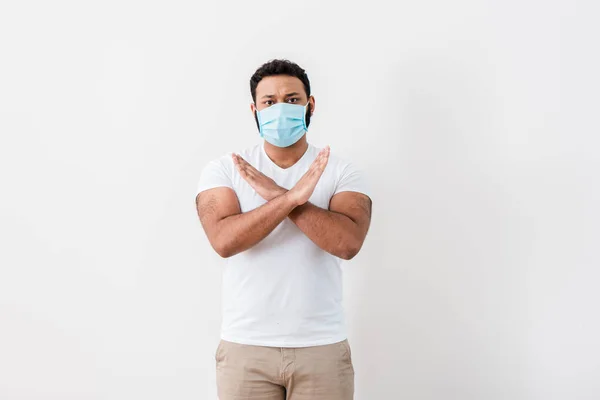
[[262, 184]]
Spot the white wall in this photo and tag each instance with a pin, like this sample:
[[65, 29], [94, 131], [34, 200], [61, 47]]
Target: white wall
[[477, 123]]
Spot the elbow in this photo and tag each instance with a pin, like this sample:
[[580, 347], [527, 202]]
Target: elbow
[[350, 251], [223, 249], [348, 255], [223, 253]]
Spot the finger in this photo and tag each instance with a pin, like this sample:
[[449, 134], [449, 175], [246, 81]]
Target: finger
[[251, 170], [243, 161], [236, 163], [242, 170], [324, 153], [240, 159], [249, 167], [317, 160], [323, 163], [241, 164], [246, 175]]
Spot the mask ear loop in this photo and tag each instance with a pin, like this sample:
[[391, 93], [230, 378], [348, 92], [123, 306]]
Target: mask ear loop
[[260, 130], [307, 108]]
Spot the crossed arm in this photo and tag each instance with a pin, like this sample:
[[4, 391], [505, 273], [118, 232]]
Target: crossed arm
[[341, 230]]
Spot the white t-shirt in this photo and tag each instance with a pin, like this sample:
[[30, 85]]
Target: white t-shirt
[[285, 291]]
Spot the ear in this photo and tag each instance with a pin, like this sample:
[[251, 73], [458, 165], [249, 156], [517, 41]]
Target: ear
[[252, 107], [311, 100]]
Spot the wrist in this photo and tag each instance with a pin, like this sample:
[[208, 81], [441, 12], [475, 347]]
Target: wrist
[[289, 196], [278, 192]]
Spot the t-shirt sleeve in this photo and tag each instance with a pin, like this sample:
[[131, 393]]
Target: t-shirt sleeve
[[214, 174], [352, 179]]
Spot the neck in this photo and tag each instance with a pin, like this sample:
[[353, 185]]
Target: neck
[[285, 157]]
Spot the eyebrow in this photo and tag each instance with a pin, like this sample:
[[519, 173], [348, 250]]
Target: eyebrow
[[268, 96]]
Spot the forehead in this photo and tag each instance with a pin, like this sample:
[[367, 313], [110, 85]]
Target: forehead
[[279, 85]]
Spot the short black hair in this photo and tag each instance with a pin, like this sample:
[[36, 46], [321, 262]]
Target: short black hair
[[278, 67]]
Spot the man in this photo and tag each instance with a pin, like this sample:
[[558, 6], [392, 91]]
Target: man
[[284, 214]]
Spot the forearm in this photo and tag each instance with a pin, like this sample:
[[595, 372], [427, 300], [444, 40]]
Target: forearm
[[240, 232], [331, 231]]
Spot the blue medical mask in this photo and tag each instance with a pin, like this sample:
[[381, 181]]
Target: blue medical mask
[[282, 124]]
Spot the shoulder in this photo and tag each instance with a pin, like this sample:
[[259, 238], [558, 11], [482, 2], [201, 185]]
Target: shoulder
[[339, 163], [347, 173]]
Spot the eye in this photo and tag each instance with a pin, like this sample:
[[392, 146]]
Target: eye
[[268, 102], [293, 100]]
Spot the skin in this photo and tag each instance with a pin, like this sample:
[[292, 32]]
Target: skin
[[340, 230]]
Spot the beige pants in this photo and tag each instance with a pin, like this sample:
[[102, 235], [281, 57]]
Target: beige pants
[[284, 373]]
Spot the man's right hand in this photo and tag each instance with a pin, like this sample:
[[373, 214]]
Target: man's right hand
[[305, 187]]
